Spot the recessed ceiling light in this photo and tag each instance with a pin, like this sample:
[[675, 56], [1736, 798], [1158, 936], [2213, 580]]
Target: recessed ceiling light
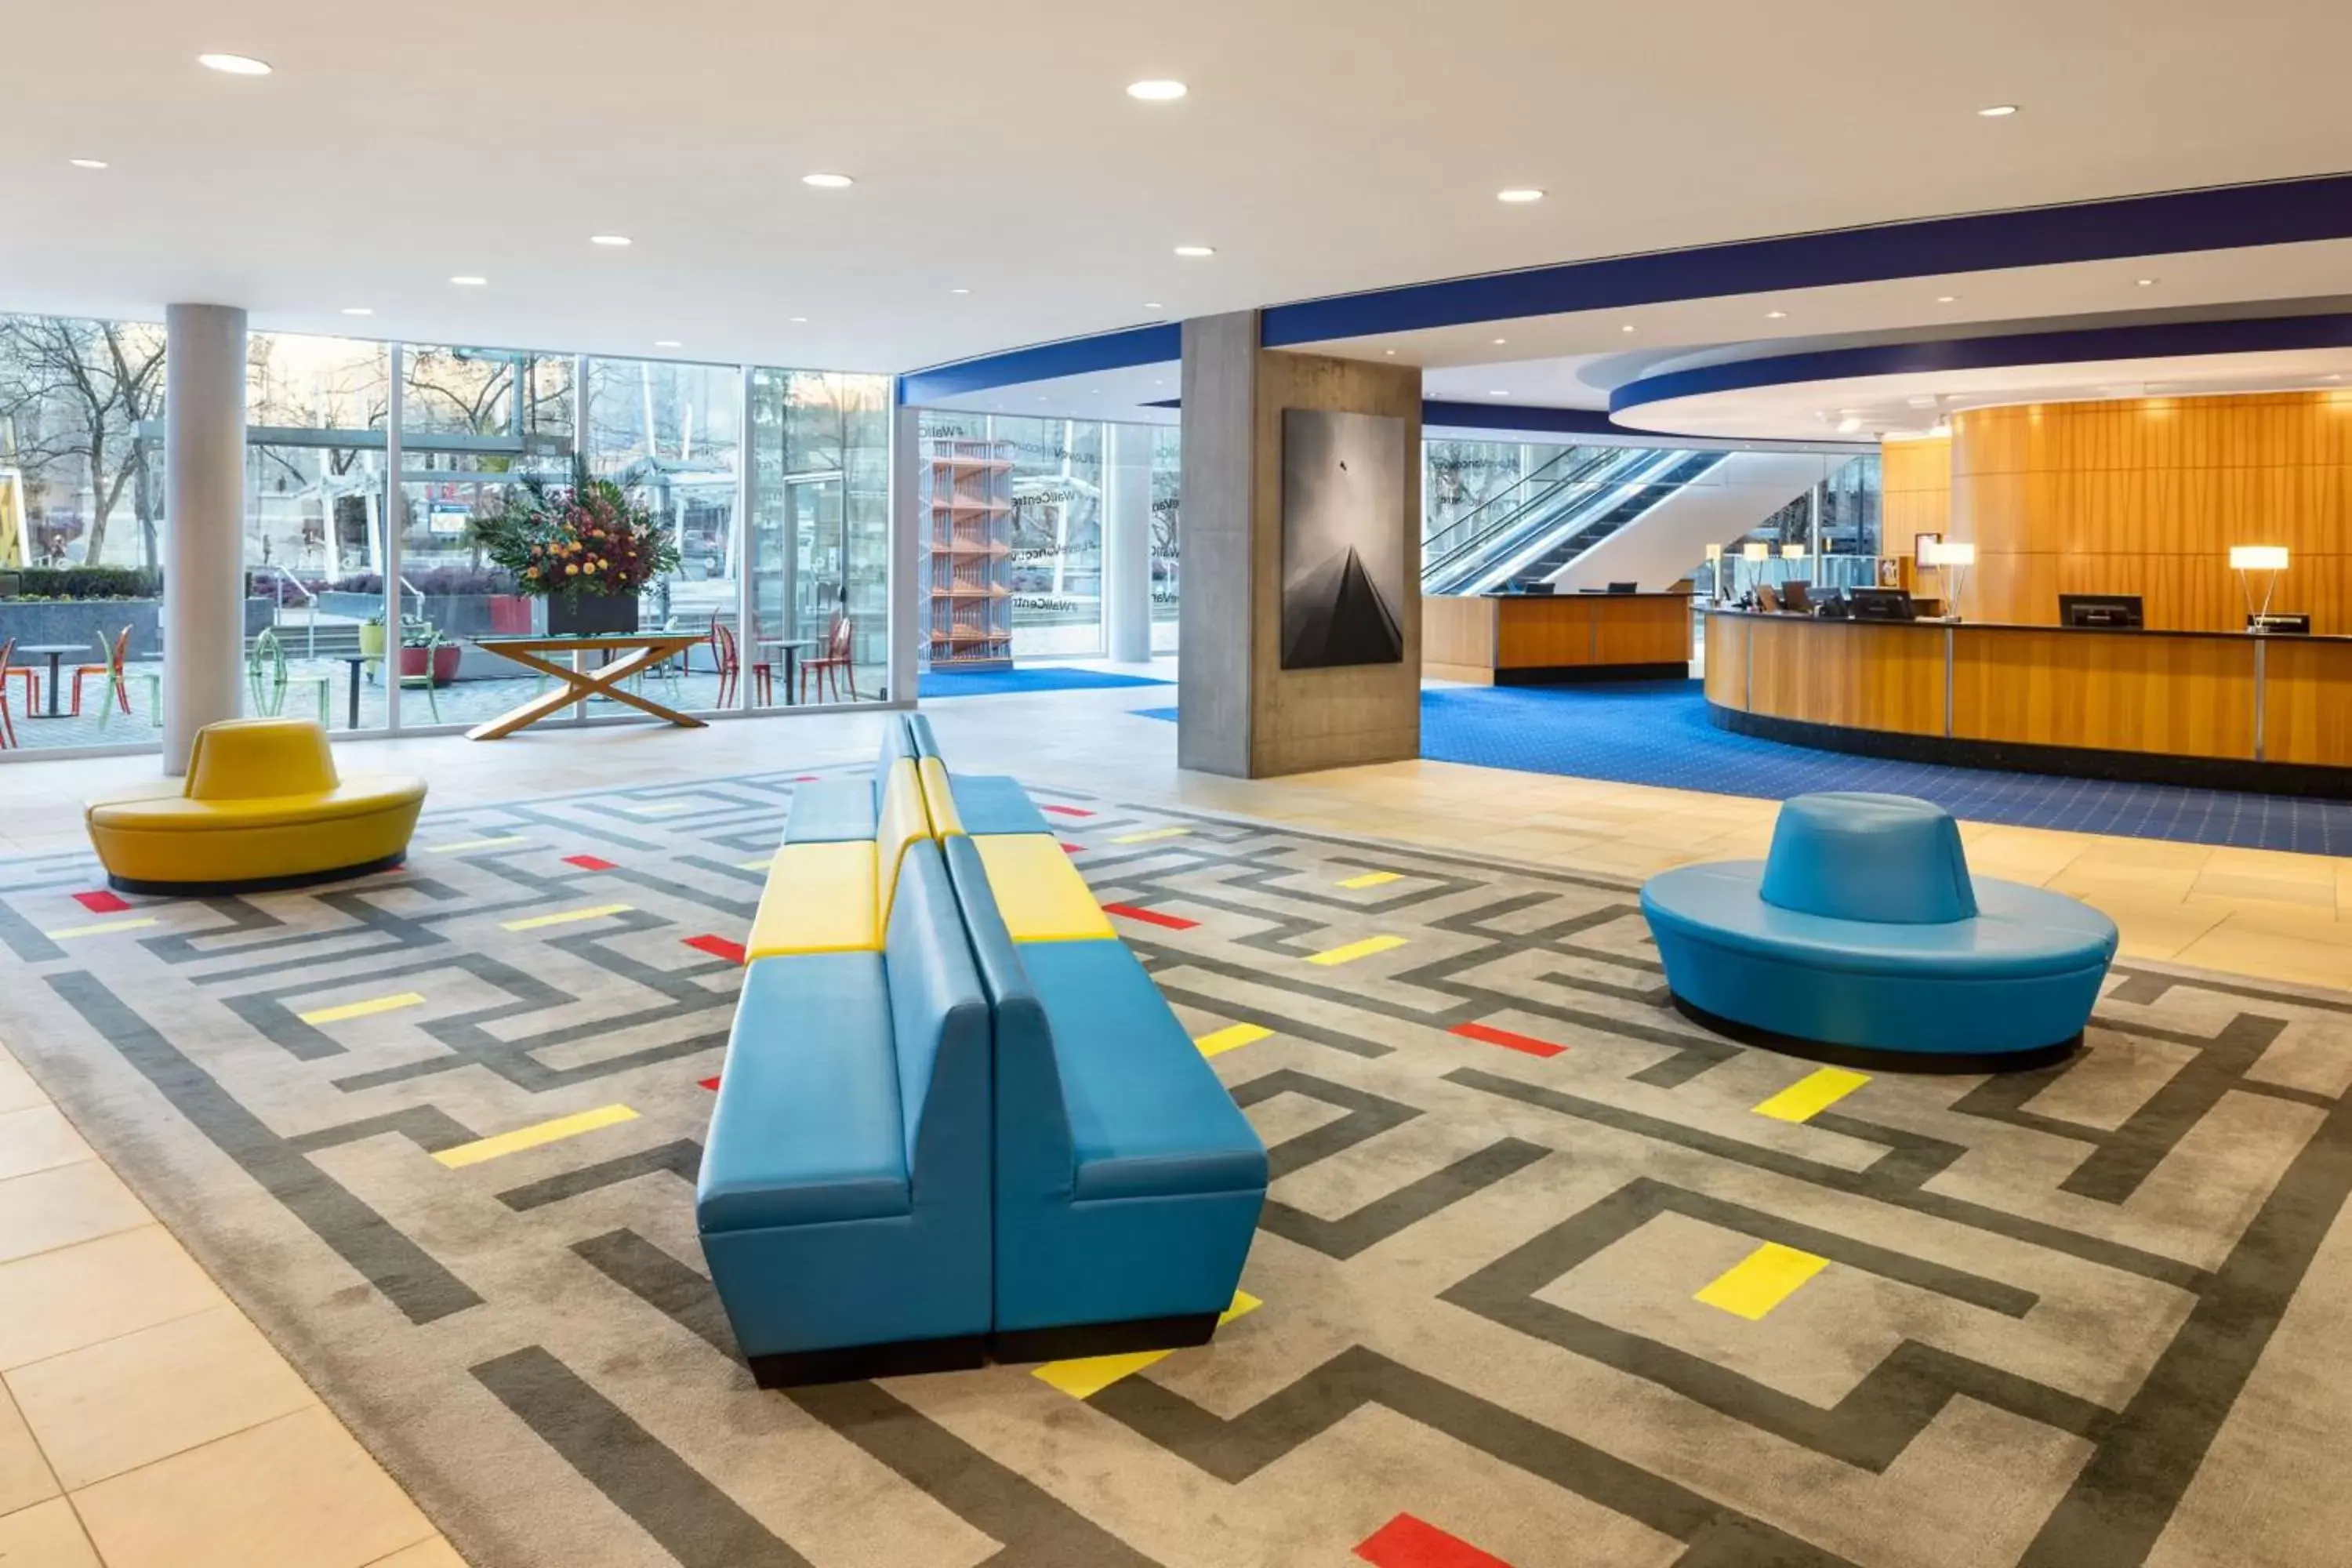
[[86, 162], [1849, 425], [1500, 342], [1626, 328], [2144, 282], [233, 65], [1499, 392], [1519, 195], [1391, 352], [1776, 315], [1997, 112], [799, 320], [358, 310], [1948, 298], [1153, 305], [1157, 92], [1196, 250], [467, 280], [612, 239], [667, 343], [959, 291], [825, 182]]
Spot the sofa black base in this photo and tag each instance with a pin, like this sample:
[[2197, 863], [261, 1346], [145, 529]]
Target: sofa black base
[[1874, 1059], [256, 884], [1075, 1341], [857, 1363]]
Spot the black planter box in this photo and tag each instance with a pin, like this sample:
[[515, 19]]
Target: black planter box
[[591, 615]]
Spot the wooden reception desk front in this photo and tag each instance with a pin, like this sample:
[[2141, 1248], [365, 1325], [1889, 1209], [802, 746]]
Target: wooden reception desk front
[[2222, 709], [1528, 639]]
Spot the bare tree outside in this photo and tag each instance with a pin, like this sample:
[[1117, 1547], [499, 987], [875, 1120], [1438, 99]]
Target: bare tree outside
[[73, 395]]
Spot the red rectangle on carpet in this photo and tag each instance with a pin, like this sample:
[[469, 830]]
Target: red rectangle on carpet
[[1405, 1541], [589, 863], [1507, 1040], [101, 903], [1068, 811], [1074, 848], [716, 947], [709, 1083], [1150, 917]]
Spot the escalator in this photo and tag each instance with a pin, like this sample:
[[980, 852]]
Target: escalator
[[1460, 557], [1637, 497]]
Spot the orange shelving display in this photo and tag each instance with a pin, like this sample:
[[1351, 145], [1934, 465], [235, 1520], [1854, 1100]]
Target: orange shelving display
[[966, 498]]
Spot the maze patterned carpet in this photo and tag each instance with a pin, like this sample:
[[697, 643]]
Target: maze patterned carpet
[[1548, 1278]]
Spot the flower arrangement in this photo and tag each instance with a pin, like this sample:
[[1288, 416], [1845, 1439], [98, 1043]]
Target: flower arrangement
[[586, 538]]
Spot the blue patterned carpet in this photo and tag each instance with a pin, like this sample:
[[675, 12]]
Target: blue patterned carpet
[[940, 683], [1657, 732]]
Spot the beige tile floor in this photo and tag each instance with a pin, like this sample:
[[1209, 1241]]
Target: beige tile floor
[[145, 1421]]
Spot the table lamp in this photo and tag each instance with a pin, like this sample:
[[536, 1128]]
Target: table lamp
[[2267, 559], [1756, 552], [1714, 570], [1953, 558]]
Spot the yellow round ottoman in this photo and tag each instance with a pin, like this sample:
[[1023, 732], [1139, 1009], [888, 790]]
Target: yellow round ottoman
[[262, 807]]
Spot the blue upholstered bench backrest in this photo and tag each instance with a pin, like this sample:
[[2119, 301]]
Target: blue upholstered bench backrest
[[939, 1023], [1034, 1155]]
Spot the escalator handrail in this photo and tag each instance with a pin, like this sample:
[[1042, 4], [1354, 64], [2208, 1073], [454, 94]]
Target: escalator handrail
[[1671, 471], [1641, 463], [1582, 478]]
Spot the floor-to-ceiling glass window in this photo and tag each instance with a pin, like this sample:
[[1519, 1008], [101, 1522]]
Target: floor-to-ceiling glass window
[[81, 510], [820, 538], [670, 435], [1166, 488], [473, 424], [315, 609], [1055, 526]]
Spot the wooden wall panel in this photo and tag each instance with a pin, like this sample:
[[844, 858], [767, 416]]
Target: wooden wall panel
[[1457, 637], [2307, 706], [1849, 673], [2146, 496], [1544, 633], [2122, 692]]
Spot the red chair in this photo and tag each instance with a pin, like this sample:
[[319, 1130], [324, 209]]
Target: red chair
[[730, 660], [835, 666], [7, 725], [112, 674]]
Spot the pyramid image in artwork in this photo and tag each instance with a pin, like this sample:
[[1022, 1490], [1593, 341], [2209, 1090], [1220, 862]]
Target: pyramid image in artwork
[[1335, 615]]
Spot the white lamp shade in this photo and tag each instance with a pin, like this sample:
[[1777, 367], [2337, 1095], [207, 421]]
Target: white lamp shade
[[1715, 552], [1756, 550], [2258, 557], [1792, 553], [1953, 552]]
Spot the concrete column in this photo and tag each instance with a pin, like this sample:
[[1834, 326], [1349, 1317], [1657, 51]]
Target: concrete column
[[1127, 542], [203, 554], [1240, 713]]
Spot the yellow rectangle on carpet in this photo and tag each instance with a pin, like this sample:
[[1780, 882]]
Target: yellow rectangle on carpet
[[1087, 1376], [523, 1138], [820, 898], [367, 1009], [1372, 880], [1811, 1094], [565, 917], [1761, 1280], [1232, 1037], [1355, 950], [1038, 891]]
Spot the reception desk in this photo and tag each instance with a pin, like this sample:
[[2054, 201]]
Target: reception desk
[[1529, 640], [2224, 709]]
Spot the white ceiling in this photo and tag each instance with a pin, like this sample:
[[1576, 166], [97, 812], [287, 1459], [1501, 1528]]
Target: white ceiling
[[1328, 145]]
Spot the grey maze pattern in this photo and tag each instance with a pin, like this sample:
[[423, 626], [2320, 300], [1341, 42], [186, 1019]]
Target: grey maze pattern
[[2043, 1293]]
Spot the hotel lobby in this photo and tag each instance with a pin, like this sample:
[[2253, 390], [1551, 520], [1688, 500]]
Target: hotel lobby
[[1405, 847]]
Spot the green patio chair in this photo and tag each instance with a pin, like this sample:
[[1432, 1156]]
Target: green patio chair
[[433, 644], [268, 679]]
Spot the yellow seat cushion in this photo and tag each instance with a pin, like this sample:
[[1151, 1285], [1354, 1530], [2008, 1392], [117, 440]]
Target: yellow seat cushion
[[902, 821], [820, 898], [938, 798], [246, 759], [1038, 891], [153, 810]]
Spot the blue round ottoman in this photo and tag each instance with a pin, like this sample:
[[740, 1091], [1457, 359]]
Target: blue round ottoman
[[1863, 939]]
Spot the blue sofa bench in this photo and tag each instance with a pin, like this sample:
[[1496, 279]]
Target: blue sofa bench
[[844, 1197], [1127, 1183], [1864, 938]]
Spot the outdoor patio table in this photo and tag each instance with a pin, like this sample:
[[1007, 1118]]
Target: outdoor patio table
[[792, 649], [55, 653]]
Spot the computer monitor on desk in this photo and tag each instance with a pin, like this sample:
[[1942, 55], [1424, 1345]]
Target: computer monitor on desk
[[1624, 587], [2113, 612], [1880, 605]]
